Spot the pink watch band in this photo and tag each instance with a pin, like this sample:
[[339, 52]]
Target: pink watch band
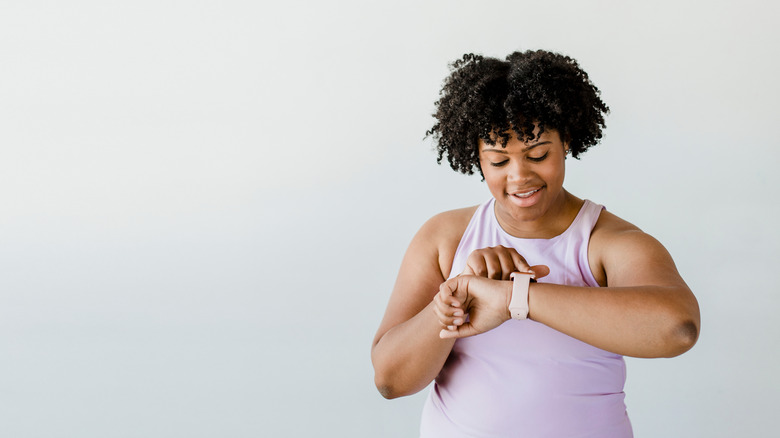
[[518, 305]]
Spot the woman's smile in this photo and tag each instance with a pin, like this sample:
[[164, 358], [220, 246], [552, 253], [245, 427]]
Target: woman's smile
[[526, 198]]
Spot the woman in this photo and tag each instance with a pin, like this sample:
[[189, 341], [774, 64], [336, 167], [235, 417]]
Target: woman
[[605, 288]]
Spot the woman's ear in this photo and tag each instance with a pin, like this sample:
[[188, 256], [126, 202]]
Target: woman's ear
[[566, 140]]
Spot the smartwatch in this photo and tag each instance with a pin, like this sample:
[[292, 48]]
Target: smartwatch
[[518, 305]]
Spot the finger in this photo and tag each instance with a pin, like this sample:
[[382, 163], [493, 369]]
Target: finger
[[440, 309], [493, 264], [448, 315], [447, 288], [454, 290], [540, 271], [476, 263], [446, 297], [507, 264], [450, 321], [463, 331], [444, 300], [454, 323], [519, 261]]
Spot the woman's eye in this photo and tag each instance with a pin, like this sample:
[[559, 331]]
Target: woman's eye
[[498, 164], [537, 159]]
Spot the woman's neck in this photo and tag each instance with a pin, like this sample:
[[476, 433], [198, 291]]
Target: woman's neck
[[553, 222]]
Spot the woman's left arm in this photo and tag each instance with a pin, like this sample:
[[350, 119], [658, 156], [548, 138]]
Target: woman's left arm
[[645, 310]]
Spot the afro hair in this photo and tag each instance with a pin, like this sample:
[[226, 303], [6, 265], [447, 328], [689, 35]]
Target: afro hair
[[487, 99]]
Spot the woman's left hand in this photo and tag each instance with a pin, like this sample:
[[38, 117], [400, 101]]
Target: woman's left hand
[[498, 262], [485, 301]]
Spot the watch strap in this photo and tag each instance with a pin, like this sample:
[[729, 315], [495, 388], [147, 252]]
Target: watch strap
[[518, 305]]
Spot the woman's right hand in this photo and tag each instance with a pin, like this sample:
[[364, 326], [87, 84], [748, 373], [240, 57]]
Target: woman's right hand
[[498, 262], [468, 305]]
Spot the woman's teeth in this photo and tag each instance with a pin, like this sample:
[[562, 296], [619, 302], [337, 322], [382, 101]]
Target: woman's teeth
[[526, 194]]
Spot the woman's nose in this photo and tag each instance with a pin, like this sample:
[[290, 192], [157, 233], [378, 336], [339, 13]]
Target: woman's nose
[[517, 171]]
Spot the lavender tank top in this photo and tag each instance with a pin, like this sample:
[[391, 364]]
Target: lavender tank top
[[524, 379]]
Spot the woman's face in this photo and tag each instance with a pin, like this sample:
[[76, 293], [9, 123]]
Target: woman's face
[[526, 178]]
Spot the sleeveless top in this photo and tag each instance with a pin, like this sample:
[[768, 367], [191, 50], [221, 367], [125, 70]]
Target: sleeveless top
[[524, 379]]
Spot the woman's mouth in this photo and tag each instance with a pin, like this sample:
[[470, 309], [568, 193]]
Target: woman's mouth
[[526, 194], [526, 198]]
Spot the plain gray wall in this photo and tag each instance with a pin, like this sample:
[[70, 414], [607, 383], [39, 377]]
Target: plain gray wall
[[203, 205]]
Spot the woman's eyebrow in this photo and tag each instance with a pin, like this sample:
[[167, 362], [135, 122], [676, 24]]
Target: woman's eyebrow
[[525, 149], [529, 147]]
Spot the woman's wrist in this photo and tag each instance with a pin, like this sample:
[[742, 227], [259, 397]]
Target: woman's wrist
[[518, 306], [506, 289]]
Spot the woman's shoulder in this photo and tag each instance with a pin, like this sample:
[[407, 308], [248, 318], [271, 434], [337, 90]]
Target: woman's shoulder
[[442, 233], [451, 221], [609, 224], [614, 238], [445, 229]]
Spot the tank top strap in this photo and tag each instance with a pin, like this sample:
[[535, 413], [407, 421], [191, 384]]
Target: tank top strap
[[582, 229], [473, 237], [589, 215]]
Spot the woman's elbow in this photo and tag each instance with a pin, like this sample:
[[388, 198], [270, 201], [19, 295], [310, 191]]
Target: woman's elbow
[[390, 382], [386, 385], [386, 390], [383, 377], [682, 336], [683, 325]]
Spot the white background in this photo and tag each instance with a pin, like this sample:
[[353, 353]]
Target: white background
[[204, 204]]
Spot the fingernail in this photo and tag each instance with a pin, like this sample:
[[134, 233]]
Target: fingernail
[[458, 313], [457, 322]]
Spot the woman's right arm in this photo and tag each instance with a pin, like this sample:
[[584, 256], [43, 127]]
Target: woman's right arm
[[407, 352]]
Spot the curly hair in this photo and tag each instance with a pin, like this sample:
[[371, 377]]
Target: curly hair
[[484, 98]]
